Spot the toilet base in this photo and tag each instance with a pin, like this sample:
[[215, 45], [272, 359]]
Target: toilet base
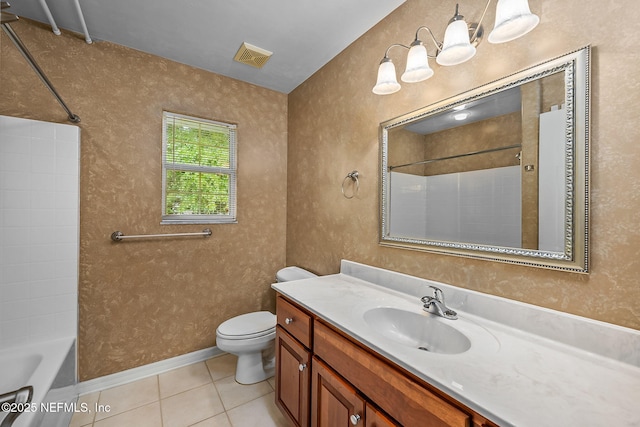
[[251, 369]]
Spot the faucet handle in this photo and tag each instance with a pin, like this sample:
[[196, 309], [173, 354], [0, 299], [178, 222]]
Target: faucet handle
[[438, 294], [427, 299]]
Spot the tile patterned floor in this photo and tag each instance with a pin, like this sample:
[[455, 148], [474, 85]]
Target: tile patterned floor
[[204, 394]]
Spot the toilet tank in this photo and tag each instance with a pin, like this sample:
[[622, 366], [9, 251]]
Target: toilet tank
[[293, 273]]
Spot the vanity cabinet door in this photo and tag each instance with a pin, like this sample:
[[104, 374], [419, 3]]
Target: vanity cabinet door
[[375, 418], [293, 373], [335, 402]]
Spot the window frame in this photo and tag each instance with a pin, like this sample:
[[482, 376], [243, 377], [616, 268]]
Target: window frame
[[231, 171]]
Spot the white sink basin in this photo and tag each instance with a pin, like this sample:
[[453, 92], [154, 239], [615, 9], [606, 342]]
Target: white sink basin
[[421, 331]]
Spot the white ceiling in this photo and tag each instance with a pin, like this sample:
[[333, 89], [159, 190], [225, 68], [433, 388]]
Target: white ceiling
[[302, 34]]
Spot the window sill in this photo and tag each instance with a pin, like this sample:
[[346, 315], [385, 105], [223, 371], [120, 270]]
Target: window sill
[[198, 221]]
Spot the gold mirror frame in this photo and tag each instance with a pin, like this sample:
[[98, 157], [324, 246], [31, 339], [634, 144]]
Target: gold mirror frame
[[575, 256]]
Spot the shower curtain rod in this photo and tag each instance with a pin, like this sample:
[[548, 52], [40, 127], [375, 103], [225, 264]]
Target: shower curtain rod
[[423, 162], [8, 17]]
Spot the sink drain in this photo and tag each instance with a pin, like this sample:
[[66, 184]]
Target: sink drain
[[423, 349]]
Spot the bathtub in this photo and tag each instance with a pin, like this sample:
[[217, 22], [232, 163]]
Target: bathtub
[[44, 366]]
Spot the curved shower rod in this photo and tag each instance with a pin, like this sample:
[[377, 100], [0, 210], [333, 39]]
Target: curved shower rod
[[5, 19]]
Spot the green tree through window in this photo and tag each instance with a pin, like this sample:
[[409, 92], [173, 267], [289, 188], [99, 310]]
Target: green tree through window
[[199, 170]]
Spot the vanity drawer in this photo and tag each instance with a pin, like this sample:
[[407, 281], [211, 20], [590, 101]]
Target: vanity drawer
[[295, 321], [401, 397]]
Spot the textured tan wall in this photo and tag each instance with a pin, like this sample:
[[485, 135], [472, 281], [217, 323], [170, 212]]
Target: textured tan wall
[[531, 103], [406, 148], [333, 129], [144, 301]]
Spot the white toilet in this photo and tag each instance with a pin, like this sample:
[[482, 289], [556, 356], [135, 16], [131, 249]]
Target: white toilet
[[251, 336]]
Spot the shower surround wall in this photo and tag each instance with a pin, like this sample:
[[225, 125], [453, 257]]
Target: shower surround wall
[[148, 300], [39, 186], [480, 207]]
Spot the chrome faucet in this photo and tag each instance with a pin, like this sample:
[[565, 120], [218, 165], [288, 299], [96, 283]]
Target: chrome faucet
[[435, 304]]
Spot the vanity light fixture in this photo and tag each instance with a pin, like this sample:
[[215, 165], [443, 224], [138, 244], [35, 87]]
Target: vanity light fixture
[[513, 19]]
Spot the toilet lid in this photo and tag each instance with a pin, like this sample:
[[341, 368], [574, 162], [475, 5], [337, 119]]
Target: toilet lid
[[257, 323], [293, 273]]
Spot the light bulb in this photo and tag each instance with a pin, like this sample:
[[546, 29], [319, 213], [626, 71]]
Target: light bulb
[[417, 68], [387, 82], [456, 47], [513, 19]]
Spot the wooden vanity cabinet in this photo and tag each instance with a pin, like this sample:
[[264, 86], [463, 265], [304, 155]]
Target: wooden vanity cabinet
[[401, 397], [375, 418], [348, 384], [335, 402], [295, 321], [293, 362]]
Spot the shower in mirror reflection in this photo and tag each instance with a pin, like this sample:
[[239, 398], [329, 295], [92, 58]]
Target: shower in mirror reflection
[[513, 20]]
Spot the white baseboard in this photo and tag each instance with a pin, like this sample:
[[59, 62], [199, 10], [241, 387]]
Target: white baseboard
[[140, 372]]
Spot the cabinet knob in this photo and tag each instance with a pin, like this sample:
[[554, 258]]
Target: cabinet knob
[[288, 320], [355, 419], [302, 367]]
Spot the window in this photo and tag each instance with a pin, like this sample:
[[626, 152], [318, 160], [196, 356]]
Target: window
[[198, 170]]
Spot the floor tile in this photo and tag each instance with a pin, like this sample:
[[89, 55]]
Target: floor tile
[[128, 396], [234, 394], [191, 406], [261, 412], [183, 379], [144, 416], [185, 397], [222, 366], [218, 421], [85, 418], [272, 382]]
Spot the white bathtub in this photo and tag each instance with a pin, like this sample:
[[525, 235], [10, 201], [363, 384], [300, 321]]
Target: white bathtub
[[36, 365]]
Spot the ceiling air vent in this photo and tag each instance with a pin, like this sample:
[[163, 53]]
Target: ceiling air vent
[[252, 55]]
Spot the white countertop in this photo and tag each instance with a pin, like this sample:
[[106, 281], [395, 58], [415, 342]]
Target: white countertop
[[512, 376]]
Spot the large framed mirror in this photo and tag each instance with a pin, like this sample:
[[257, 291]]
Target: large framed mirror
[[500, 172]]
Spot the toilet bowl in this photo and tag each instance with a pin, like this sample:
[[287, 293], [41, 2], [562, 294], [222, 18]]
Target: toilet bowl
[[248, 336], [251, 336]]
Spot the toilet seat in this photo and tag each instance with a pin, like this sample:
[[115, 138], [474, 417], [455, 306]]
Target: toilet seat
[[247, 336], [246, 326]]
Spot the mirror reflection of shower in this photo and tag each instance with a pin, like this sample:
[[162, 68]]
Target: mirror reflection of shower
[[462, 171], [498, 172]]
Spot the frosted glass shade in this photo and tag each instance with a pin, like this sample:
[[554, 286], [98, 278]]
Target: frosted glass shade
[[387, 82], [417, 68], [456, 47], [513, 19]]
